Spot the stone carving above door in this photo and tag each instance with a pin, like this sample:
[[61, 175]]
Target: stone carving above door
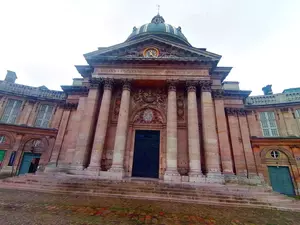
[[156, 97], [148, 116]]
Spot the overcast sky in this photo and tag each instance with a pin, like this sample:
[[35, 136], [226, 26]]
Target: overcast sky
[[42, 40]]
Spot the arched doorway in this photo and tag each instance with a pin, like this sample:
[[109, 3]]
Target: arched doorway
[[147, 143], [31, 157], [279, 167]]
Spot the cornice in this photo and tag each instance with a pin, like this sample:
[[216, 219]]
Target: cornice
[[236, 94]]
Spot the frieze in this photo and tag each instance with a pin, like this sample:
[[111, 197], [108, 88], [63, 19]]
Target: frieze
[[124, 71]]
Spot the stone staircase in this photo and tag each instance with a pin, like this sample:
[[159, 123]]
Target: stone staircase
[[212, 194]]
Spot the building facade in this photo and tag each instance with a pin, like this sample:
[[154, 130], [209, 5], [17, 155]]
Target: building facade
[[156, 107]]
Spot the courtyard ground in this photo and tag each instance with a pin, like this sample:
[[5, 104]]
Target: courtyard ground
[[23, 207]]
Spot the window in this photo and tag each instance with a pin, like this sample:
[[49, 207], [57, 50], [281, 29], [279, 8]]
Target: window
[[2, 139], [275, 154], [11, 111], [36, 143], [12, 158], [268, 124], [44, 116]]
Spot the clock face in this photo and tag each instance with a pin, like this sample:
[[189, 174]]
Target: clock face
[[151, 52]]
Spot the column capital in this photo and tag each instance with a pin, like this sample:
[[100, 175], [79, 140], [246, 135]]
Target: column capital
[[126, 84], [218, 94], [172, 85], [236, 111], [205, 85], [108, 83], [191, 86], [70, 106]]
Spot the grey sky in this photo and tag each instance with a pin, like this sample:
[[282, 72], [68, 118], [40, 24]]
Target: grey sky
[[42, 40]]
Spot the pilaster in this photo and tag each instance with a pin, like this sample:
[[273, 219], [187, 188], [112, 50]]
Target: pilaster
[[210, 137], [237, 143], [223, 135], [86, 127]]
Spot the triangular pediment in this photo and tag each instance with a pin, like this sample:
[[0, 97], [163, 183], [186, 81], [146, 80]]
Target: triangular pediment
[[134, 50]]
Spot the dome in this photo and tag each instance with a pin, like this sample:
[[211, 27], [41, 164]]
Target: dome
[[158, 27]]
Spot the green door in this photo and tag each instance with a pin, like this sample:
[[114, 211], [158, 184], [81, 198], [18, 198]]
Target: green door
[[27, 162], [2, 154], [281, 180]]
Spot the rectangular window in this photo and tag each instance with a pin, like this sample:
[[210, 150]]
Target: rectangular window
[[44, 116], [268, 124], [11, 111]]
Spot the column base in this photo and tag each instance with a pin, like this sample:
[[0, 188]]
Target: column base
[[76, 169], [93, 170], [172, 175], [51, 167], [114, 173], [215, 177], [196, 177], [230, 178]]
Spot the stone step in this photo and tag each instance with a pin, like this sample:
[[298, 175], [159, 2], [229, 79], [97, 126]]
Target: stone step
[[159, 197], [138, 189]]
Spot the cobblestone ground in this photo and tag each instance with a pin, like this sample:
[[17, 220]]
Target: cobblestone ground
[[22, 208]]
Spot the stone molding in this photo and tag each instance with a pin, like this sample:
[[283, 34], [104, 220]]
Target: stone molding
[[191, 86], [218, 94], [295, 146], [205, 85], [286, 109]]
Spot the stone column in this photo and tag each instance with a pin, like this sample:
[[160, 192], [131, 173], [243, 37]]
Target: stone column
[[223, 135], [100, 134], [117, 168], [195, 173], [59, 138], [210, 137], [171, 173], [83, 143]]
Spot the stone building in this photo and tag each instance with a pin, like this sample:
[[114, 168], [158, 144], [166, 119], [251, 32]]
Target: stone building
[[156, 107]]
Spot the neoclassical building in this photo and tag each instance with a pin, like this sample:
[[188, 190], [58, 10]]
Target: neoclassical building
[[153, 106]]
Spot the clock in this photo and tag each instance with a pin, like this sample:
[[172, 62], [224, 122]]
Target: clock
[[151, 52]]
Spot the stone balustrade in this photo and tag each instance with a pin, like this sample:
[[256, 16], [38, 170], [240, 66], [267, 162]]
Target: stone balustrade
[[31, 91], [273, 99]]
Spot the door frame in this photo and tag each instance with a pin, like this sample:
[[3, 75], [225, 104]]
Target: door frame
[[154, 127]]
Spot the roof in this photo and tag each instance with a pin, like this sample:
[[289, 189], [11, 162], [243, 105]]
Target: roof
[[158, 27]]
